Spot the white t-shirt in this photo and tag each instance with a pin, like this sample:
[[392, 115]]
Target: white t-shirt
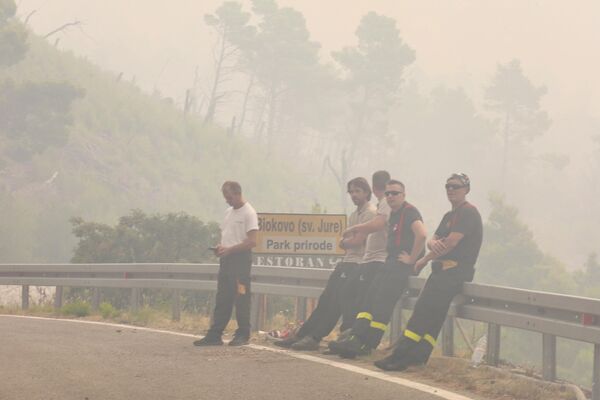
[[375, 249], [237, 223]]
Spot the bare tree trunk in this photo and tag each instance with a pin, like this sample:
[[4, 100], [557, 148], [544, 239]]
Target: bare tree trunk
[[360, 127], [504, 171], [271, 118], [245, 104], [341, 177], [259, 125], [212, 104]]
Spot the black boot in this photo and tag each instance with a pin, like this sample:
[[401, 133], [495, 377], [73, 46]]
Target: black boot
[[392, 363], [209, 340], [352, 348]]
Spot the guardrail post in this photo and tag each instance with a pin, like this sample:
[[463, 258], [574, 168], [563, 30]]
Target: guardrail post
[[596, 375], [25, 297], [448, 337], [255, 312], [176, 306], [396, 323], [548, 357], [301, 308], [493, 344], [135, 299], [264, 311], [58, 298], [95, 299]]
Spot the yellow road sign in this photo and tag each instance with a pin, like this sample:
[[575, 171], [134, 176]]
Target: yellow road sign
[[294, 234]]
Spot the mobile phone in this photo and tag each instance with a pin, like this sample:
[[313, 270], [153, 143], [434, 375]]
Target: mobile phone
[[213, 248]]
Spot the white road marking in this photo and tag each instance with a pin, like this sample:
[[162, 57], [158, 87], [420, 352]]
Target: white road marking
[[445, 394]]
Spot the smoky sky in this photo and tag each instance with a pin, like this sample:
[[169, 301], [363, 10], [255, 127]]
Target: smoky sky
[[457, 42], [160, 45]]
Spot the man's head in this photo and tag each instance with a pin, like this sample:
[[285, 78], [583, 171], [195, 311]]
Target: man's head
[[457, 187], [232, 192], [395, 194], [359, 190], [380, 179]]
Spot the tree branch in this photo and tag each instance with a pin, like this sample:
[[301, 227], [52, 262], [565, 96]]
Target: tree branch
[[61, 28]]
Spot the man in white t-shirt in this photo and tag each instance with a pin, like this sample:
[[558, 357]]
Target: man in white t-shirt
[[238, 237]]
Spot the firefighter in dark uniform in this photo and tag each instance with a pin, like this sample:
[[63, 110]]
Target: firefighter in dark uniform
[[405, 244], [453, 249]]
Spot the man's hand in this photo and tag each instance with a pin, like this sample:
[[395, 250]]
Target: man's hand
[[342, 244], [348, 232], [436, 246], [419, 265], [222, 251], [404, 257]]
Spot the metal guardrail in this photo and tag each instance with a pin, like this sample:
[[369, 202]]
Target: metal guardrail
[[552, 315]]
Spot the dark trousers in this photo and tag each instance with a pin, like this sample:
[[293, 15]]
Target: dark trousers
[[387, 287], [355, 290], [430, 312], [233, 287], [324, 317]]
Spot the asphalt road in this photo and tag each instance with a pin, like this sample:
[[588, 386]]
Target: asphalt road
[[48, 359]]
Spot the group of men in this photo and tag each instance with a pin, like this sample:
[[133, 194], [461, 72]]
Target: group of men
[[385, 245]]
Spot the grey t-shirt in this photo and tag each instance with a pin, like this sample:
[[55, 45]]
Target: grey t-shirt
[[375, 249], [364, 214]]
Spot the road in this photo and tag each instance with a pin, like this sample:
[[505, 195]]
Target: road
[[62, 360]]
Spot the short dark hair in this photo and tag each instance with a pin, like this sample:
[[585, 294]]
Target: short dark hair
[[380, 179], [396, 182], [232, 186], [361, 183]]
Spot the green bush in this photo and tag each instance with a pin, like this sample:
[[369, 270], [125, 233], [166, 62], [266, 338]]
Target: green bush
[[108, 311], [77, 308]]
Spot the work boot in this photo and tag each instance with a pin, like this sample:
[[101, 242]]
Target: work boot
[[334, 345], [420, 354], [239, 340], [392, 363], [344, 335], [352, 348], [287, 342], [307, 343], [209, 341], [407, 354]]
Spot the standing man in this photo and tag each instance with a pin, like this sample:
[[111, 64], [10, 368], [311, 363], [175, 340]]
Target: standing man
[[405, 243], [454, 249], [323, 319], [238, 237]]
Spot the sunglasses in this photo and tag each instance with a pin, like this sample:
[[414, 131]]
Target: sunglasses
[[392, 193], [453, 186]]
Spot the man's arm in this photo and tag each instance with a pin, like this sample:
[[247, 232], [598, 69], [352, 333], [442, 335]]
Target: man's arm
[[433, 242], [447, 245], [420, 233], [374, 225], [356, 240], [248, 243]]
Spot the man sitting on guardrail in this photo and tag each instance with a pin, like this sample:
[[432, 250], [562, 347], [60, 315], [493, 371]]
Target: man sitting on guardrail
[[238, 237], [405, 243], [329, 309], [454, 249]]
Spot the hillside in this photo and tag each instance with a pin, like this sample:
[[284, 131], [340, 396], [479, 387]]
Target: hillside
[[126, 150]]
